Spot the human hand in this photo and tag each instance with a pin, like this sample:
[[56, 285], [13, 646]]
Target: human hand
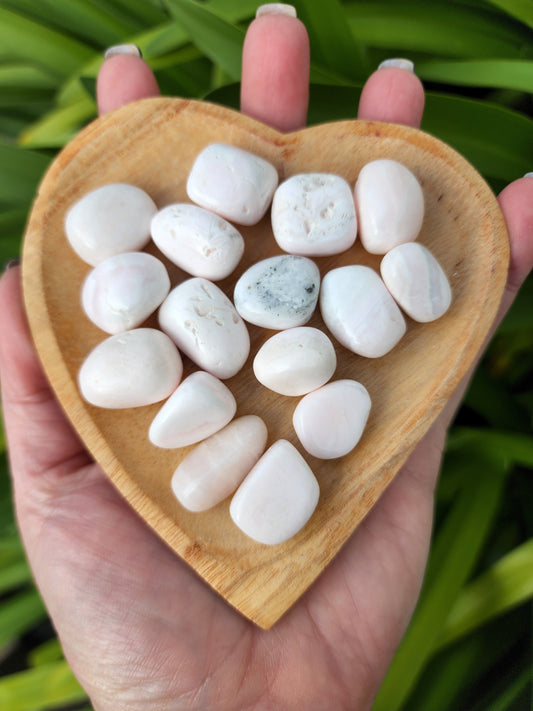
[[139, 628]]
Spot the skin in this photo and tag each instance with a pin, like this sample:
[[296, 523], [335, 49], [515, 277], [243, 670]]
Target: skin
[[138, 627]]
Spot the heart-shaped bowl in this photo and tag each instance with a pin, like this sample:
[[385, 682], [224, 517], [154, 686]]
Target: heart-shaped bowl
[[153, 143]]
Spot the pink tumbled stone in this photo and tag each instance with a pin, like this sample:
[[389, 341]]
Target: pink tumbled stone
[[329, 421], [216, 467]]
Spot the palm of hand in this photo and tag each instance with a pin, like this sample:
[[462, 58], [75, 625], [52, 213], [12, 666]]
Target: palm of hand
[[143, 631]]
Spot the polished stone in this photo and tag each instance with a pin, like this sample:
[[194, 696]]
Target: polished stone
[[216, 467], [277, 498], [204, 324], [329, 421], [198, 241], [123, 290], [200, 406], [390, 205], [279, 292], [233, 183], [417, 281], [131, 369], [111, 219], [295, 361], [313, 214], [360, 312]]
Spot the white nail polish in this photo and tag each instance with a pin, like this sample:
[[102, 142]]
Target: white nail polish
[[528, 175], [276, 8], [130, 49], [399, 63]]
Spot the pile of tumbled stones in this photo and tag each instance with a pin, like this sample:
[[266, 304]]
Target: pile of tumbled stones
[[313, 215]]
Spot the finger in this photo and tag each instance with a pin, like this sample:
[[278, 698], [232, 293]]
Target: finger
[[275, 72], [393, 94], [516, 203], [40, 437], [124, 77]]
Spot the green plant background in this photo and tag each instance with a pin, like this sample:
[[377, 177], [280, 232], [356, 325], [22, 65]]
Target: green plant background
[[468, 647]]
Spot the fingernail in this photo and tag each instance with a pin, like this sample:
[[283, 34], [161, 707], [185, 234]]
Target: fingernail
[[276, 8], [399, 63], [528, 175], [131, 49], [11, 263]]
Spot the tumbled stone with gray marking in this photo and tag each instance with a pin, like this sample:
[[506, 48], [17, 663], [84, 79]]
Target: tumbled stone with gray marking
[[279, 292]]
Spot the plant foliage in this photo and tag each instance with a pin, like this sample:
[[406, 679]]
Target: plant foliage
[[468, 646]]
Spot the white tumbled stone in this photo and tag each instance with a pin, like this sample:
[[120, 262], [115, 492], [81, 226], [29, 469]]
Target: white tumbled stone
[[232, 182], [313, 214], [199, 407], [329, 421], [216, 467], [123, 290], [278, 496], [111, 219], [131, 369], [360, 312], [279, 292], [390, 205], [417, 281], [295, 361], [200, 242], [204, 324]]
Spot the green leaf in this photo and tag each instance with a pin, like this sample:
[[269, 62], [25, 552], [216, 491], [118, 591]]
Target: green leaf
[[14, 575], [138, 13], [18, 614], [520, 315], [40, 688], [491, 399], [521, 10], [503, 586], [45, 653], [26, 40], [78, 17], [333, 46], [436, 28], [514, 447], [25, 76], [327, 103], [60, 125], [494, 139], [162, 40], [457, 670], [20, 174], [234, 10], [511, 693], [496, 73], [218, 39], [453, 556]]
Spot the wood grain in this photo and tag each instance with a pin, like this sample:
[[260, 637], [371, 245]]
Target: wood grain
[[152, 144]]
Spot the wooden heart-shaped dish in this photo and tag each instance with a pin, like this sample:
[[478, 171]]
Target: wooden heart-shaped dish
[[153, 144]]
